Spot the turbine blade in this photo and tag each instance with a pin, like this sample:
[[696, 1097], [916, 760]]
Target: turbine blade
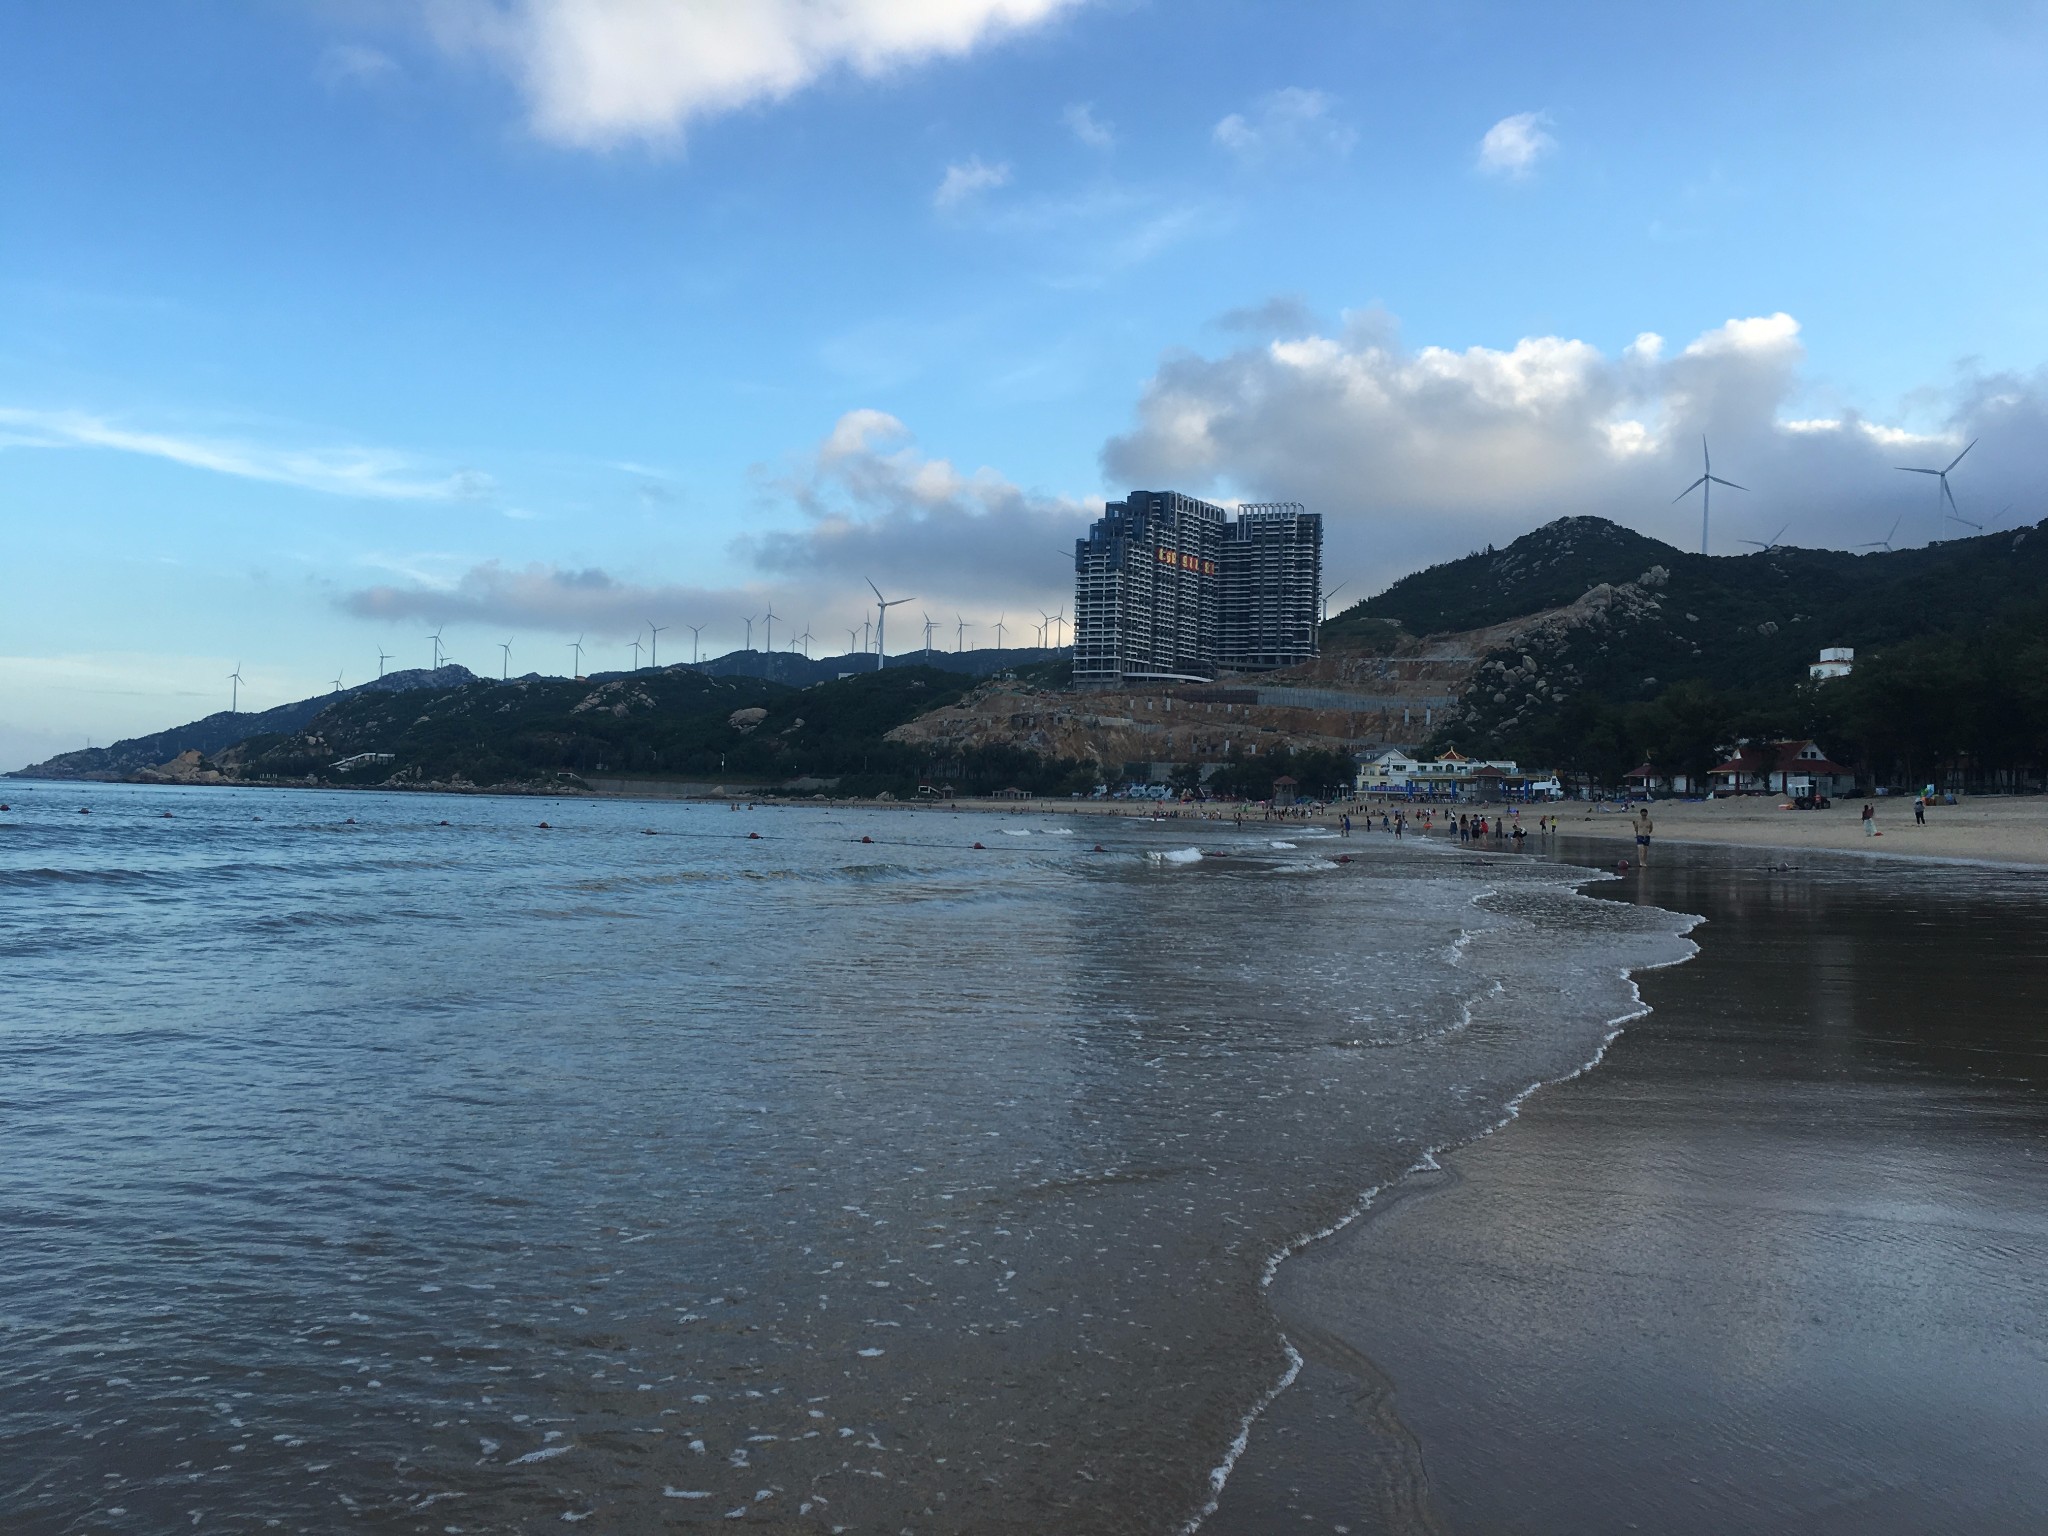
[[874, 589], [1690, 488], [1907, 469], [1729, 483], [1952, 463]]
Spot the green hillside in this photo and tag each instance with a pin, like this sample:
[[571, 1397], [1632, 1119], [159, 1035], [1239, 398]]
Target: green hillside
[[1674, 653], [538, 732]]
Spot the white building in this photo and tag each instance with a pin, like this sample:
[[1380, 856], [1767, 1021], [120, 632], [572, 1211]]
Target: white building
[[1391, 770], [1835, 661], [1385, 769]]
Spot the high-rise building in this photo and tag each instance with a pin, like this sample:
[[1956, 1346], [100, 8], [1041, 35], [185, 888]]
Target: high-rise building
[[1272, 582], [1172, 589]]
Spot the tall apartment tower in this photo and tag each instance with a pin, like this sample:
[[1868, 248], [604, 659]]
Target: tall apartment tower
[[1272, 582], [1172, 589]]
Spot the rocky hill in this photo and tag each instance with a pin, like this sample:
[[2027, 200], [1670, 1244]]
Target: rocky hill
[[1581, 645], [216, 733], [803, 671]]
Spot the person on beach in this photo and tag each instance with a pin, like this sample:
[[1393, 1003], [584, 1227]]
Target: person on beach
[[1643, 830], [1869, 819], [1919, 810], [1347, 825]]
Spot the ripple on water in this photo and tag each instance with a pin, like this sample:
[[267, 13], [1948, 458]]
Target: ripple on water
[[626, 1178]]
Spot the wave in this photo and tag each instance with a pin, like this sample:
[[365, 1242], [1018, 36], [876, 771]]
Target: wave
[[1426, 1162], [1177, 856]]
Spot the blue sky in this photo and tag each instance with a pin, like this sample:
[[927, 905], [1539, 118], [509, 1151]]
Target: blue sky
[[328, 323]]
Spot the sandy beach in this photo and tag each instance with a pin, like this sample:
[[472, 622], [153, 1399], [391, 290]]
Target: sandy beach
[[2000, 829]]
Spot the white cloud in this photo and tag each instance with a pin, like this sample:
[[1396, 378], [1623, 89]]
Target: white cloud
[[371, 473], [875, 507], [1287, 124], [602, 72], [539, 596], [968, 177], [355, 64], [1417, 453], [1513, 145], [1084, 125], [869, 506]]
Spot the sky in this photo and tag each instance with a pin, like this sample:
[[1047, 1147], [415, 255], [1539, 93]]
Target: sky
[[328, 323]]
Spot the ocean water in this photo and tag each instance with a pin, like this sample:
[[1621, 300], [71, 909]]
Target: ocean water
[[364, 1172]]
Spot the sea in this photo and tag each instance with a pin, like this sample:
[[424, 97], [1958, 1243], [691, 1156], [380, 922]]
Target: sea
[[408, 1163]]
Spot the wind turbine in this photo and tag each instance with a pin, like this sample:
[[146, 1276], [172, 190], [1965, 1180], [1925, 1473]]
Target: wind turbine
[[382, 657], [505, 670], [805, 640], [853, 638], [696, 632], [576, 646], [1705, 486], [768, 628], [1060, 619], [1884, 543], [1763, 547], [1943, 496], [337, 682], [960, 636], [750, 631], [436, 638], [999, 629], [635, 642], [1326, 599], [654, 643], [235, 690], [882, 607]]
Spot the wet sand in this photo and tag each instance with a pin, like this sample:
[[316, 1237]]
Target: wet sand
[[1779, 1263]]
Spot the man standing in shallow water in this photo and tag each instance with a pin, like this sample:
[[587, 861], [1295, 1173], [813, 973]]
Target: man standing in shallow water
[[1643, 830]]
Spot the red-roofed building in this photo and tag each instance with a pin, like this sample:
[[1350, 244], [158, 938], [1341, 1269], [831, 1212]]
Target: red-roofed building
[[1781, 768]]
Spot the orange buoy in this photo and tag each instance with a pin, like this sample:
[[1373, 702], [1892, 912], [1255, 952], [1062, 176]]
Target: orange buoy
[[867, 839], [1100, 849], [545, 827], [83, 811], [754, 836], [977, 845]]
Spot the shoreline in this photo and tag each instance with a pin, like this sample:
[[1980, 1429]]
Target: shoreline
[[2009, 832], [1378, 1200], [1470, 1338]]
